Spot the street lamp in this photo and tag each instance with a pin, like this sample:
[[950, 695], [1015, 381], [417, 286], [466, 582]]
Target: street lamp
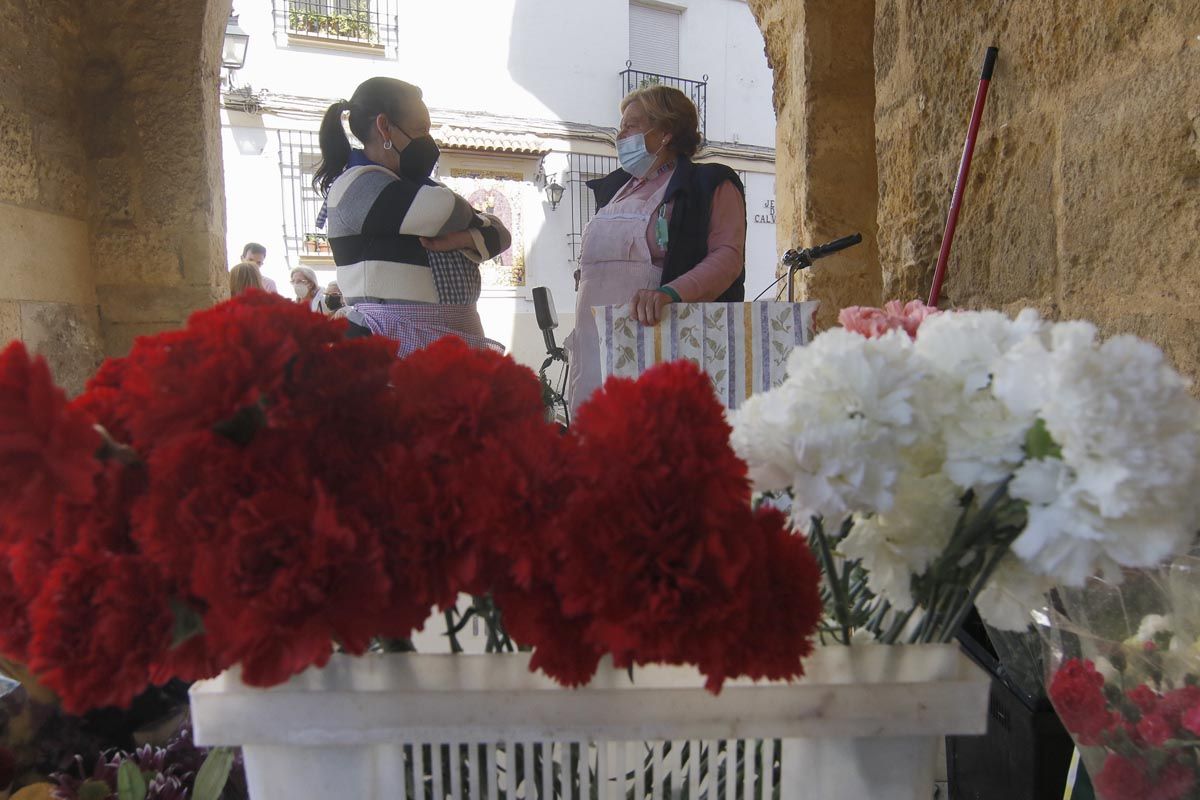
[[554, 193], [233, 50]]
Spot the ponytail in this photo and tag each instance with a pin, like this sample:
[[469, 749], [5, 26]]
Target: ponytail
[[335, 148], [393, 98]]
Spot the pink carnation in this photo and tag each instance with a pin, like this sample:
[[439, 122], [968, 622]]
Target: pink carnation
[[875, 322]]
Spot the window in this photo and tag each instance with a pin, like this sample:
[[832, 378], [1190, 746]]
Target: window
[[654, 39], [356, 23], [299, 156], [584, 168]]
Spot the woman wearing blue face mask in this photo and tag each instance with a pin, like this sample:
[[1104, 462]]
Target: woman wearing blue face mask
[[666, 230], [407, 249]]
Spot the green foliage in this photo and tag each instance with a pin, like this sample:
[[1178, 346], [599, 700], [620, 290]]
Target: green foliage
[[131, 784]]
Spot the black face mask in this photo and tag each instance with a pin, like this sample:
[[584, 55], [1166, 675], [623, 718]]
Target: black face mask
[[333, 301], [419, 158]]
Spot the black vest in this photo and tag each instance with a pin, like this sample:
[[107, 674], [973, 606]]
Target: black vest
[[691, 187]]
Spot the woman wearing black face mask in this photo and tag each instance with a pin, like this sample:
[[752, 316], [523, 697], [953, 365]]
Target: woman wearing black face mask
[[407, 249]]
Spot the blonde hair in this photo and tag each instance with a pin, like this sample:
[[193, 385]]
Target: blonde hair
[[671, 111], [242, 277]]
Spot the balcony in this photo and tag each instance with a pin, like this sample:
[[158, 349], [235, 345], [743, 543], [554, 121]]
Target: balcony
[[357, 24], [632, 79]]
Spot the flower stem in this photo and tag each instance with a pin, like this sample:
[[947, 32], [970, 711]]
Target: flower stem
[[455, 646], [897, 626], [841, 609], [956, 620]]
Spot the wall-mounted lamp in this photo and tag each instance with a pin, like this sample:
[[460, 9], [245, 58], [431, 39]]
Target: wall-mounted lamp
[[554, 193], [233, 49]]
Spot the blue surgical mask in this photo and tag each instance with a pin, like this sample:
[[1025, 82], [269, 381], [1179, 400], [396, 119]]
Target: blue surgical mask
[[633, 156]]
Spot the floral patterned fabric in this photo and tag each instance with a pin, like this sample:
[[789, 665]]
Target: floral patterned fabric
[[742, 347]]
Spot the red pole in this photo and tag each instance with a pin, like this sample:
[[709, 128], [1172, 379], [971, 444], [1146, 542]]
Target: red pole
[[964, 168]]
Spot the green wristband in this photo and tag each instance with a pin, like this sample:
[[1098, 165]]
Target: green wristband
[[671, 293]]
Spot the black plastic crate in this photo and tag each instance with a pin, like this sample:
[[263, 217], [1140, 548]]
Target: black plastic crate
[[1025, 753]]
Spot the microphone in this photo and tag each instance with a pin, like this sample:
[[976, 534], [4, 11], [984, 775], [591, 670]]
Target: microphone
[[547, 319], [796, 260]]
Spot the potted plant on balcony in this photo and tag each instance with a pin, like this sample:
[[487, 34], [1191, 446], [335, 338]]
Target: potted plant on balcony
[[310, 243], [304, 21]]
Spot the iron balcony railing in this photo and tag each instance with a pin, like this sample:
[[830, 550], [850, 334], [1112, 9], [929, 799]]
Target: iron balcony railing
[[366, 22], [632, 79]]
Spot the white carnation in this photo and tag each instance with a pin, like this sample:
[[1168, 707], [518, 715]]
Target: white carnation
[[898, 544], [836, 430], [984, 438], [1013, 593], [1123, 492], [1151, 626]]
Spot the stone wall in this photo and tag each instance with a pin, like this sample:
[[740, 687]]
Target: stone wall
[[156, 211], [825, 186], [111, 206], [1084, 197], [47, 296]]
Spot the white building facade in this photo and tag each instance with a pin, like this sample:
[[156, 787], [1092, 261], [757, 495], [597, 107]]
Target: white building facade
[[523, 95]]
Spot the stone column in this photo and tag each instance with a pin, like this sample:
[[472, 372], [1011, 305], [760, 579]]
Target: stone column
[[111, 198], [821, 54], [47, 296], [156, 210]]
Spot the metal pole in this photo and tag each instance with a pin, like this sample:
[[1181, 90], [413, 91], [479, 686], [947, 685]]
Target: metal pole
[[964, 168]]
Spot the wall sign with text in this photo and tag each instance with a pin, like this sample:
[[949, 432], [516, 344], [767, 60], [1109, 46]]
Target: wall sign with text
[[766, 215]]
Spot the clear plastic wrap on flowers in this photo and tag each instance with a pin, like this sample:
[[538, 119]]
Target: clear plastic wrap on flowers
[[1123, 668]]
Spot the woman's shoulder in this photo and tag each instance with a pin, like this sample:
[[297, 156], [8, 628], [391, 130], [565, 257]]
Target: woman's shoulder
[[712, 174]]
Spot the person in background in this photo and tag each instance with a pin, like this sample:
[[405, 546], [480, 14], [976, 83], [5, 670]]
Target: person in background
[[304, 284], [665, 230], [244, 276], [331, 299], [254, 253], [407, 248]]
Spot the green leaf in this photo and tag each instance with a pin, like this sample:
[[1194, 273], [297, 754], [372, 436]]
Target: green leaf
[[131, 785], [1040, 444], [188, 622], [210, 780], [93, 789]]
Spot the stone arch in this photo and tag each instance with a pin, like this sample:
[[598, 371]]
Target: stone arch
[[111, 201], [821, 55]]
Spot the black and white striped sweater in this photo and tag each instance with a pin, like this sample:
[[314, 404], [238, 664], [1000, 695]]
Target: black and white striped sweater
[[374, 221]]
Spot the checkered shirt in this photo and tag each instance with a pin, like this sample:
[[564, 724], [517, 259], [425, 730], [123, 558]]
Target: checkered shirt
[[456, 278]]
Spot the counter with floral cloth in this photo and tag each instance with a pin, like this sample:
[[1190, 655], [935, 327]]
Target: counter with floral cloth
[[743, 347]]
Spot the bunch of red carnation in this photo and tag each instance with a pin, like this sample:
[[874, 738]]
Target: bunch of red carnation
[[1149, 735], [255, 489]]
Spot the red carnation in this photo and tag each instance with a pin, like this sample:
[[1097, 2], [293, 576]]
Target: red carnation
[[784, 582], [101, 398], [1175, 781], [98, 623], [1155, 729], [235, 355], [194, 481], [47, 450], [669, 573], [1176, 703], [1191, 719], [296, 573], [14, 620], [1143, 697], [1077, 691], [449, 395], [1123, 778]]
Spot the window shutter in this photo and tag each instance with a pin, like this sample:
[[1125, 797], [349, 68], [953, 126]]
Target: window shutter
[[654, 39]]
